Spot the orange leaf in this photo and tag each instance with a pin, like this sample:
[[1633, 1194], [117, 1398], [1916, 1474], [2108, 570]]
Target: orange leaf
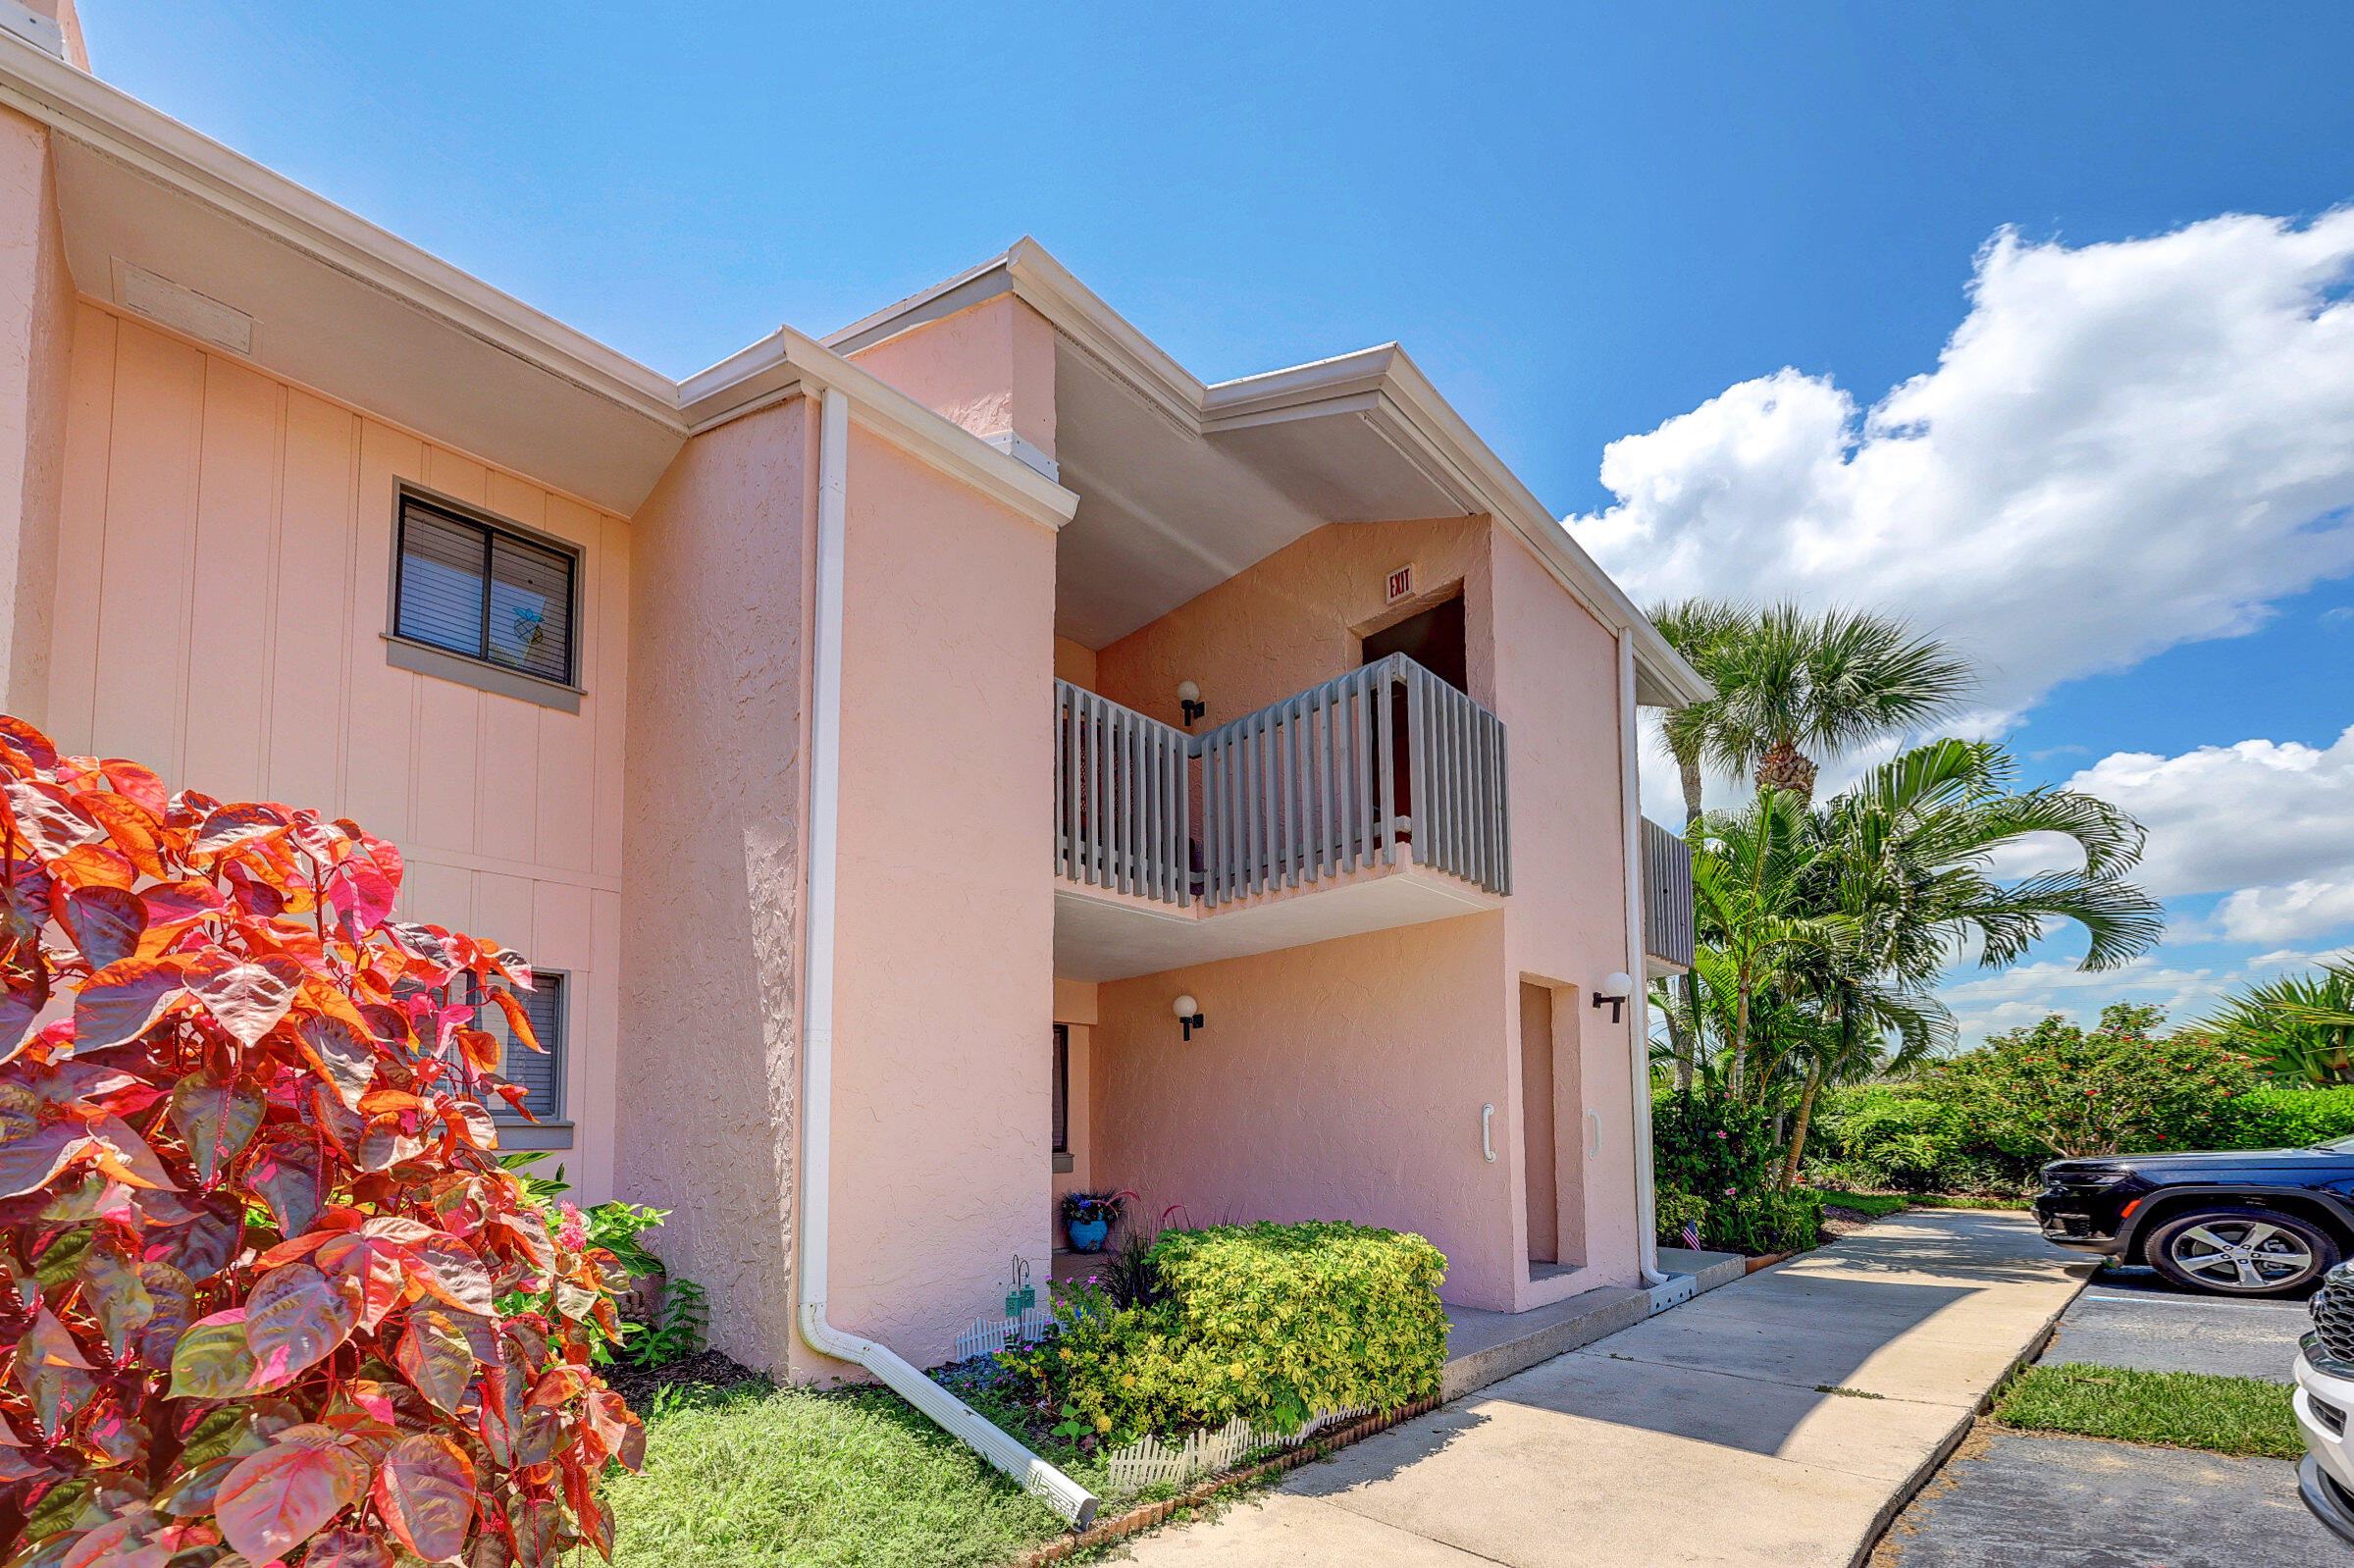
[[122, 1001], [94, 866], [426, 1495], [279, 1498], [136, 831]]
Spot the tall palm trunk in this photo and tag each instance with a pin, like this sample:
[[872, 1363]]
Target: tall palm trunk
[[1798, 1133], [1690, 767]]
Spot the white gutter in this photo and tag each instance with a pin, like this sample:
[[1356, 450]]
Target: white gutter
[[1055, 1490], [1639, 1024]]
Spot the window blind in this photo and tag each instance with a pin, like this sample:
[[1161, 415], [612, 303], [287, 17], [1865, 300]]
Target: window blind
[[542, 1075], [473, 590]]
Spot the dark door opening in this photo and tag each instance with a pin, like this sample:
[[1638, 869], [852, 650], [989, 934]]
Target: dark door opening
[[1432, 638], [1538, 1123]]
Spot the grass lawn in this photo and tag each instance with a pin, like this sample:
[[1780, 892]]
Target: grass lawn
[[2172, 1409], [758, 1475], [1879, 1204]]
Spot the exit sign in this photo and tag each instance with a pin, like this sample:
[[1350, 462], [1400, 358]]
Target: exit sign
[[1402, 584]]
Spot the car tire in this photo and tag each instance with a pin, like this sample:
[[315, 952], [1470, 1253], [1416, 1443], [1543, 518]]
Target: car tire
[[2203, 1250]]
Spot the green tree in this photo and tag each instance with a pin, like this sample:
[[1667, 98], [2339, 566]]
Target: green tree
[[2296, 1027], [1796, 686], [1701, 630], [2119, 1087]]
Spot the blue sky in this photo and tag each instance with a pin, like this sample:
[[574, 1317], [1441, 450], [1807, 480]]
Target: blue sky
[[1586, 222]]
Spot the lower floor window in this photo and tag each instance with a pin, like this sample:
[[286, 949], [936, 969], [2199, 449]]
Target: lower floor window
[[541, 1073]]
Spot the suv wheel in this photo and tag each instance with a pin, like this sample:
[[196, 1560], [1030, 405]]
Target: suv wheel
[[2241, 1252]]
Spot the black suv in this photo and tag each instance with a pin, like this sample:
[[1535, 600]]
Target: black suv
[[2265, 1222]]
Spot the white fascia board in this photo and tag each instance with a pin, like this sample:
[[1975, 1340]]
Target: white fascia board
[[1412, 414], [111, 120], [1047, 287], [788, 363]]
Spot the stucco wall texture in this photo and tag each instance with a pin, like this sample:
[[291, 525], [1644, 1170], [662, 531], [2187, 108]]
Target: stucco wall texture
[[220, 591], [709, 1055], [1345, 1079]]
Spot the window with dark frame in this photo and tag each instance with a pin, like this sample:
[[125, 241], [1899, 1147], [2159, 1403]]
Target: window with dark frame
[[483, 593], [1061, 1088], [542, 1075]]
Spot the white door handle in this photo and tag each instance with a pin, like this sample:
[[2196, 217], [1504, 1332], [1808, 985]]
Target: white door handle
[[1594, 1133], [1487, 1138]]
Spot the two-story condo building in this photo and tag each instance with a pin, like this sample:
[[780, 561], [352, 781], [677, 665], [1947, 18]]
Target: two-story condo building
[[932, 767]]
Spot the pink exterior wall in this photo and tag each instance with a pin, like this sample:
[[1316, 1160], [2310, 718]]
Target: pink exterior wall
[[1344, 1080], [222, 586], [989, 368], [36, 343], [1565, 925], [945, 981], [712, 980], [1296, 617]]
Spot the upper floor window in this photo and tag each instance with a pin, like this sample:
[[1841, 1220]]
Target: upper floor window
[[484, 593]]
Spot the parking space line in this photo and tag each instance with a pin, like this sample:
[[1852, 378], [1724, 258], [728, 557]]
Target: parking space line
[[2206, 1301]]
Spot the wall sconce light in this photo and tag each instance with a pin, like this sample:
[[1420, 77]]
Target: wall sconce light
[[1189, 699], [1617, 986], [1188, 1012]]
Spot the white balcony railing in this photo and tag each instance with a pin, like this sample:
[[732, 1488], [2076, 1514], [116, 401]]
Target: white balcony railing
[[1328, 781]]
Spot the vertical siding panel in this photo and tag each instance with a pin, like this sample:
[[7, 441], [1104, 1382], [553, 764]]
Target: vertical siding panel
[[461, 478], [229, 633], [608, 701], [506, 815], [312, 563], [81, 531], [381, 757], [151, 520]]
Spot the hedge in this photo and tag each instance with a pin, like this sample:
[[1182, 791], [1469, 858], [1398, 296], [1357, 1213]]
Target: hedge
[[1271, 1322]]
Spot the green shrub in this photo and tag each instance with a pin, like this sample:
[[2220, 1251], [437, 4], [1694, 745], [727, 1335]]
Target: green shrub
[[1269, 1321], [2298, 1119], [1760, 1223], [1709, 1144], [1675, 1211]]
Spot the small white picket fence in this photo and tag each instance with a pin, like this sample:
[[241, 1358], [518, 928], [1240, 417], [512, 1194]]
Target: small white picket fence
[[1148, 1460], [988, 1335]]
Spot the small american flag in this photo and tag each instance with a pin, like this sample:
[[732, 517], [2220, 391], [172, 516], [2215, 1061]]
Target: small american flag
[[1692, 1235]]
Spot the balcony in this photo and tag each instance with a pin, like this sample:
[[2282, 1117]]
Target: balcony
[[1375, 800], [1667, 914]]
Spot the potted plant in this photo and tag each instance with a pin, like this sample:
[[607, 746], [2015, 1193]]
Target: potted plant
[[1088, 1218]]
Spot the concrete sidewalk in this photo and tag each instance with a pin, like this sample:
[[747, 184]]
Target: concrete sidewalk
[[1781, 1420]]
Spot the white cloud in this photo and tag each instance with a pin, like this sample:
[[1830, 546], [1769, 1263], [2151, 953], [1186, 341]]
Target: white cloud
[[2124, 446], [2270, 824]]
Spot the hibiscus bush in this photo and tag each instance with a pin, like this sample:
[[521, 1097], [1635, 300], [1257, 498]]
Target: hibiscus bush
[[257, 1239]]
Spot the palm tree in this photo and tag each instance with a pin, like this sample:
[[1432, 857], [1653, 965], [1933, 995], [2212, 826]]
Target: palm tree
[[1822, 930], [2301, 1026], [1700, 629], [1796, 685]]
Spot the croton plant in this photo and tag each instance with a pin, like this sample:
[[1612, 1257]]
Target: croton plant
[[269, 1296]]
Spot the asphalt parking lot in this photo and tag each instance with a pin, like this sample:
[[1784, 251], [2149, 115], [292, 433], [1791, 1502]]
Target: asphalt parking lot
[[2016, 1499]]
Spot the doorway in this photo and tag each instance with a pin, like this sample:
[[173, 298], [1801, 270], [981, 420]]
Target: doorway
[[1434, 639], [1538, 1120]]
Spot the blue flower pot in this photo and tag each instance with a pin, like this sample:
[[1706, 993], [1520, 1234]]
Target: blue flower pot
[[1087, 1236]]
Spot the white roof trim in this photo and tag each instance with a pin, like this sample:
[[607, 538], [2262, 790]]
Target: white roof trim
[[1382, 383], [120, 126]]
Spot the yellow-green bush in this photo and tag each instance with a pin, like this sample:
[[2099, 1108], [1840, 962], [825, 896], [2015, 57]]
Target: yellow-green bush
[[1271, 1322]]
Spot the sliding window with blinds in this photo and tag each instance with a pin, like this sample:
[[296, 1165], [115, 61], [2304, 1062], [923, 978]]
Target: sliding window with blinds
[[542, 1075], [470, 588]]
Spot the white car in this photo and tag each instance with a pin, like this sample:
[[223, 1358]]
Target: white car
[[2324, 1401]]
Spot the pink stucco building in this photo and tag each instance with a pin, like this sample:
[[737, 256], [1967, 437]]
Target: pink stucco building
[[870, 739]]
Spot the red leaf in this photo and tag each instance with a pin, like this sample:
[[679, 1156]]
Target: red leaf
[[31, 1163], [36, 749], [292, 1318], [131, 779], [122, 1001], [426, 1495], [448, 1269], [286, 1177], [233, 825], [279, 1498], [178, 904], [123, 1155], [617, 1428], [373, 1271], [347, 1548], [516, 1018], [435, 1357], [343, 1053], [105, 922], [247, 999], [136, 832], [46, 822]]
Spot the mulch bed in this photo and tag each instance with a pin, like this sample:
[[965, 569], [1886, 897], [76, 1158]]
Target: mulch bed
[[706, 1368]]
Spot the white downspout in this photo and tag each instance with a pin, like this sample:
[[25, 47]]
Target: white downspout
[[1058, 1491], [1639, 1020]]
